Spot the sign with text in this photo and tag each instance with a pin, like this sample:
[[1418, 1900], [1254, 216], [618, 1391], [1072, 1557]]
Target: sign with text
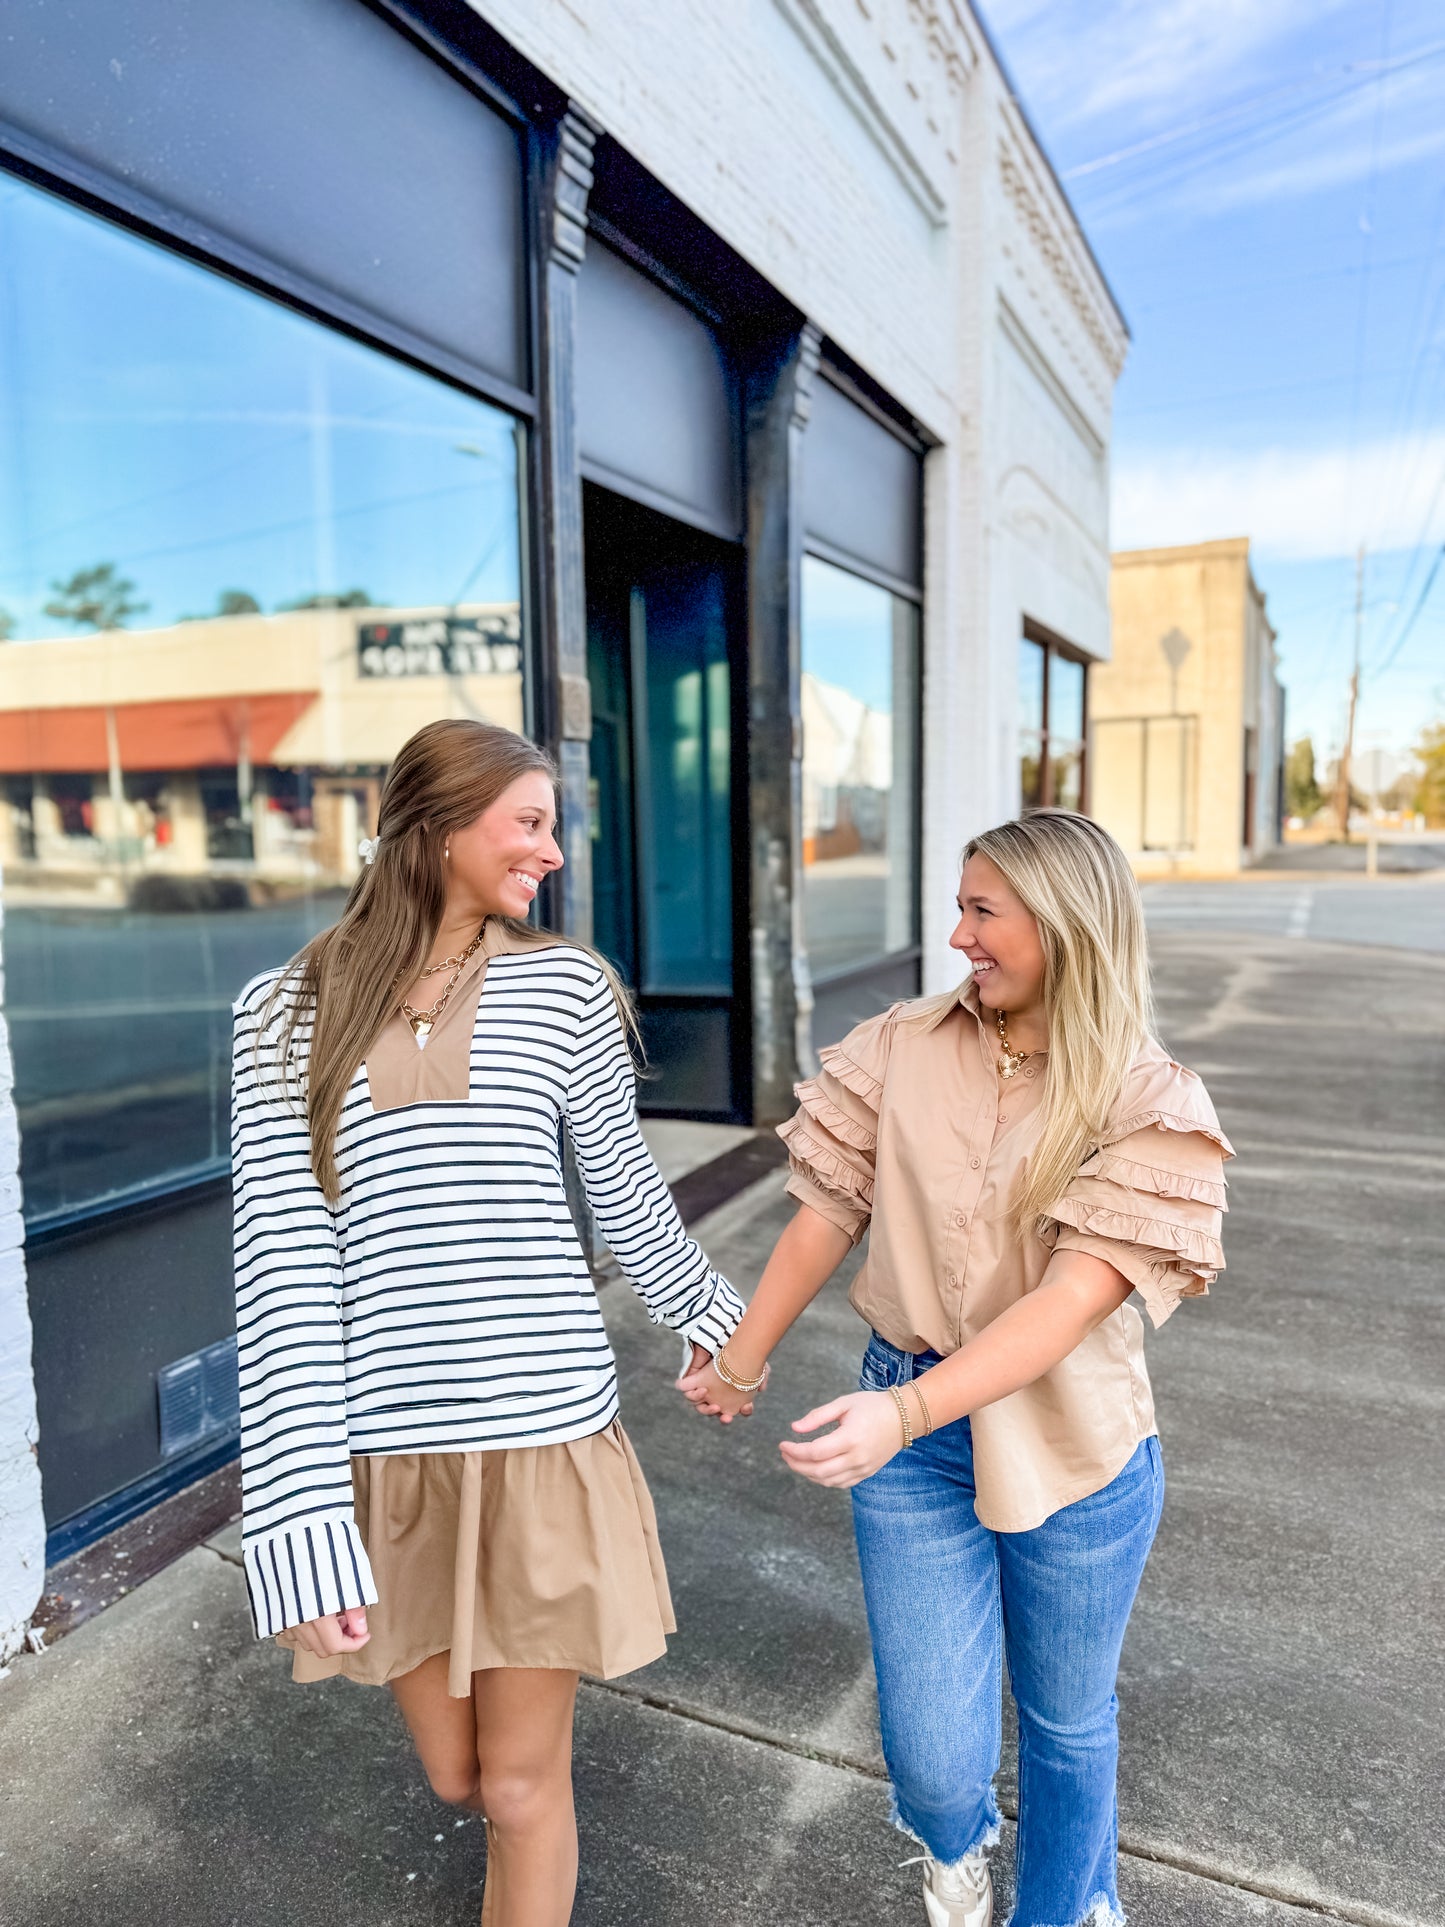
[[440, 646]]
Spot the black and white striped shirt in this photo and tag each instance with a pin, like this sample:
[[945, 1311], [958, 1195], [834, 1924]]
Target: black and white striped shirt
[[444, 1304]]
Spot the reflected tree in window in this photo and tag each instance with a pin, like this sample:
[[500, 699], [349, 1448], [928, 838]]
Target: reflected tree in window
[[99, 597]]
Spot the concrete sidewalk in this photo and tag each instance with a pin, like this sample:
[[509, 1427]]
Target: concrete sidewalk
[[1283, 1704]]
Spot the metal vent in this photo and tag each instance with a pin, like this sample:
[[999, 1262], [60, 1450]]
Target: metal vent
[[199, 1397]]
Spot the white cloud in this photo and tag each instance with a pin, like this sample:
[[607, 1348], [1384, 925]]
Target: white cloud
[[1317, 142], [1292, 503], [1092, 59]]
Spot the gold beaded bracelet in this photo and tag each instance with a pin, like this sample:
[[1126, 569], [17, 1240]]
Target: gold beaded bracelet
[[897, 1398], [927, 1415], [738, 1384]]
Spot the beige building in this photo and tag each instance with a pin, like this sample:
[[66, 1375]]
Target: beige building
[[250, 744], [1186, 721]]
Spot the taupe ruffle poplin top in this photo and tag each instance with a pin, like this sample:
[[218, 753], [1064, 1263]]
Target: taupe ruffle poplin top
[[909, 1129]]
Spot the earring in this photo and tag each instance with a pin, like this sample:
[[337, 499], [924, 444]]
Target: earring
[[447, 854]]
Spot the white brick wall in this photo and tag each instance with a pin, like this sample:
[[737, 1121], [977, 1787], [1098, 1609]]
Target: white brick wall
[[22, 1526], [865, 156]]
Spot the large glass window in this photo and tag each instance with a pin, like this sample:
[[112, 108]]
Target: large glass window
[[1052, 726], [860, 732], [241, 560]]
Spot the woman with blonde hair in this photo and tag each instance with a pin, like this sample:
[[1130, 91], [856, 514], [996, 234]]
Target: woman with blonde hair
[[438, 1494], [1028, 1156]]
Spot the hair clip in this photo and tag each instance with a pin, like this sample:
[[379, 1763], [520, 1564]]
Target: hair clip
[[367, 848]]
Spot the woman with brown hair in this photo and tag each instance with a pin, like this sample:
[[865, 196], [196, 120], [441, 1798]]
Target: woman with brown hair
[[438, 1493]]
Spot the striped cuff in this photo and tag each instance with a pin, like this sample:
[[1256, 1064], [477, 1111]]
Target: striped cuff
[[715, 1324], [305, 1572]]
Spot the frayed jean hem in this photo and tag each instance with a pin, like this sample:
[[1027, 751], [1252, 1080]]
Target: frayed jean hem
[[993, 1822], [1101, 1911]]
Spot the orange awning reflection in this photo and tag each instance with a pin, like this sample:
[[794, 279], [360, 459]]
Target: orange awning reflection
[[196, 733]]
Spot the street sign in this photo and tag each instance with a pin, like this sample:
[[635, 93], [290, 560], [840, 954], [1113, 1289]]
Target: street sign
[[440, 646]]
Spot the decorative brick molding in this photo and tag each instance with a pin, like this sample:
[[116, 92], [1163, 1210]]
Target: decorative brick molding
[[1052, 247], [901, 66]]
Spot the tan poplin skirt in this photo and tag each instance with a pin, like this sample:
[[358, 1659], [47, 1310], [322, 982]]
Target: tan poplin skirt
[[542, 1555]]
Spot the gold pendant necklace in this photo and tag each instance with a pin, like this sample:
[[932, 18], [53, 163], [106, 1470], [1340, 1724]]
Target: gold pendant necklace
[[1009, 1060], [423, 1022]]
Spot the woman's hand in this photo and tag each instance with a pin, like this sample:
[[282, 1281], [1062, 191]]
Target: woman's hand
[[869, 1432], [334, 1633], [709, 1396]]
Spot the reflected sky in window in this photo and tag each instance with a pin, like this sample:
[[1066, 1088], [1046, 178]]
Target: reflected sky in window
[[204, 440]]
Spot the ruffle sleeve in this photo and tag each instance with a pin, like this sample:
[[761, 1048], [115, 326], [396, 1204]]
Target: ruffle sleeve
[[832, 1138], [1151, 1199]]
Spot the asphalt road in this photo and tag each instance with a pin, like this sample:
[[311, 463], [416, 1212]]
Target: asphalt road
[[1283, 1705], [1401, 913]]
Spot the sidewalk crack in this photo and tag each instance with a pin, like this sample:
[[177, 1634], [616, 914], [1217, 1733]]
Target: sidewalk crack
[[1357, 1913]]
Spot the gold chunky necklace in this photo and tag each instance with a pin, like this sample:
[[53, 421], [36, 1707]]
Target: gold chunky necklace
[[1009, 1060], [423, 1022]]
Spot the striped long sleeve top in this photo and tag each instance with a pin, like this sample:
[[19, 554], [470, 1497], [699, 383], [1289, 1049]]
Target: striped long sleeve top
[[444, 1303]]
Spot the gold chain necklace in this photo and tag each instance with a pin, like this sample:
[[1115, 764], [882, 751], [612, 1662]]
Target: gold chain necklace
[[1010, 1060], [448, 963], [423, 1022]]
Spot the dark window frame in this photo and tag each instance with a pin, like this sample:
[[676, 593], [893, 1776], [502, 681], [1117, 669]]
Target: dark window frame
[[1054, 645], [99, 193]]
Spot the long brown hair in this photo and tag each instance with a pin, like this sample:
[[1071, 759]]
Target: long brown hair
[[341, 989]]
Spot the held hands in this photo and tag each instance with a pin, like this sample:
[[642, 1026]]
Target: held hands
[[706, 1392], [868, 1431]]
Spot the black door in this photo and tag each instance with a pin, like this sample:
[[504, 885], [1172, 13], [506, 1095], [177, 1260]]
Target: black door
[[662, 603]]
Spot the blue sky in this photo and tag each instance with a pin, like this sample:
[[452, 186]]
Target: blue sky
[[202, 438], [1264, 184]]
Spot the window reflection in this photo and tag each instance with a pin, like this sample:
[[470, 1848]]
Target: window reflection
[[241, 560], [860, 657], [1051, 737], [1032, 662]]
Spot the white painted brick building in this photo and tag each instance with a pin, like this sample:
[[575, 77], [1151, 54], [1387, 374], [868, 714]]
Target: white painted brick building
[[828, 225], [871, 162]]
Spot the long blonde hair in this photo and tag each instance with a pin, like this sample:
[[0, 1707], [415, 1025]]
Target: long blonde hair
[[342, 987], [1098, 1000]]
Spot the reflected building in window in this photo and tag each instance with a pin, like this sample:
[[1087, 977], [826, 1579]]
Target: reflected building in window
[[860, 726], [1053, 726]]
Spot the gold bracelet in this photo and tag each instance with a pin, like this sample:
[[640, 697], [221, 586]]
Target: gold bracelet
[[897, 1398], [738, 1384], [922, 1406]]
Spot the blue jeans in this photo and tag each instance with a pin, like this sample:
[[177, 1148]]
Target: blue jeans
[[947, 1600]]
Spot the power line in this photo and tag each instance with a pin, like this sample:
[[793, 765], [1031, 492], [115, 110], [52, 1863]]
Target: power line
[[1368, 70], [1404, 634], [1362, 312]]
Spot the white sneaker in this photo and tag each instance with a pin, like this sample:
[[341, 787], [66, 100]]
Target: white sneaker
[[957, 1896]]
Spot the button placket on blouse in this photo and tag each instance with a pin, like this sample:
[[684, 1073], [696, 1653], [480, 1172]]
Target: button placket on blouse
[[958, 1217]]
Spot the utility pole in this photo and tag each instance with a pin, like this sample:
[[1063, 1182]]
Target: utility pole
[[1342, 781]]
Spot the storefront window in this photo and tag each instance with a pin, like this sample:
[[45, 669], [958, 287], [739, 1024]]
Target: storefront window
[[1052, 726], [860, 722], [241, 560]]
